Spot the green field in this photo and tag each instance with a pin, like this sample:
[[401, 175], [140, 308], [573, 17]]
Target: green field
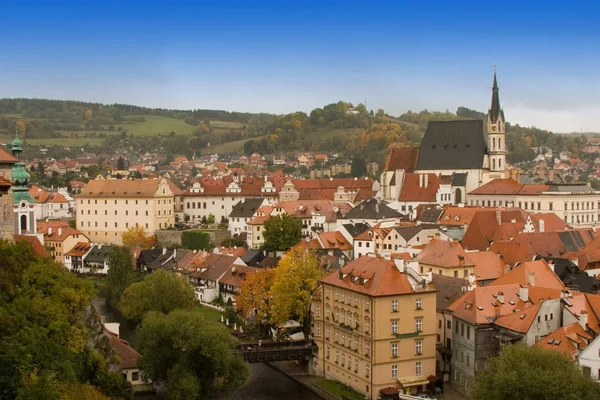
[[209, 313], [68, 142], [228, 148], [338, 388]]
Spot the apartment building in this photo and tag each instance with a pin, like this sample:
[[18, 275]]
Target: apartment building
[[62, 240], [375, 326], [108, 207]]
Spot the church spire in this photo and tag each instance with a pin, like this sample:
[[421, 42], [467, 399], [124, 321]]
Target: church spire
[[495, 109]]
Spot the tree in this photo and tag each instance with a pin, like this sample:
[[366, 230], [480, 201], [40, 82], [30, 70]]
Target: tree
[[51, 337], [194, 357], [521, 372], [21, 126], [255, 295], [135, 236], [160, 291], [88, 114], [210, 219], [120, 276], [195, 240], [358, 168], [120, 164], [282, 232], [296, 278]]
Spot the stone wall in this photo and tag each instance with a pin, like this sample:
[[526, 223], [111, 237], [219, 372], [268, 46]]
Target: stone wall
[[174, 237]]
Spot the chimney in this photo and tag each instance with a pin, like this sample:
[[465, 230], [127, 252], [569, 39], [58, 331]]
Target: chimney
[[174, 253], [420, 180], [99, 246], [59, 231], [542, 225], [426, 180], [399, 263], [499, 216], [551, 175], [583, 319], [524, 294], [49, 230], [164, 251], [501, 297], [531, 279], [551, 265]]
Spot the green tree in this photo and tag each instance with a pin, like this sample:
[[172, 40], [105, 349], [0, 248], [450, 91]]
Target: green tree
[[120, 164], [296, 279], [160, 291], [196, 358], [282, 232], [358, 167], [195, 240], [521, 373], [120, 276], [210, 219]]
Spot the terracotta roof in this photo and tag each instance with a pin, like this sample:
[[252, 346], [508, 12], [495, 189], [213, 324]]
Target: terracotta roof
[[57, 198], [569, 340], [484, 225], [487, 265], [552, 222], [402, 158], [510, 187], [238, 251], [120, 188], [214, 266], [236, 274], [79, 250], [372, 276], [5, 182], [65, 233], [258, 220], [174, 188], [77, 184], [38, 194], [6, 157], [414, 188], [458, 216], [42, 226], [334, 240], [128, 357], [519, 321], [533, 273], [443, 253], [38, 247], [577, 303]]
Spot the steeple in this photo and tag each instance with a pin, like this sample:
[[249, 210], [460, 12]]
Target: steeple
[[20, 176], [495, 109], [496, 132]]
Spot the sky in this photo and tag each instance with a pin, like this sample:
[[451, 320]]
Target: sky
[[286, 56]]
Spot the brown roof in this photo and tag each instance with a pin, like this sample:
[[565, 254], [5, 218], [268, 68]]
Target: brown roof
[[6, 157], [579, 303], [80, 249], [415, 190], [236, 274], [510, 186], [57, 198], [214, 266], [174, 188], [120, 188], [128, 357], [379, 277], [458, 216], [38, 194], [443, 253], [568, 340], [552, 222], [334, 240], [42, 226], [65, 233], [538, 271], [484, 225], [519, 321], [402, 158], [237, 251], [449, 289], [487, 265], [5, 182], [38, 247]]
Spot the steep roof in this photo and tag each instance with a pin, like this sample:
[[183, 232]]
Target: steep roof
[[449, 289], [55, 236], [334, 240], [417, 189], [236, 274], [174, 188], [6, 157], [488, 265], [402, 158], [245, 208], [120, 188], [79, 250], [452, 145], [128, 357], [356, 229], [38, 247], [372, 276], [495, 110], [519, 321], [568, 340], [537, 271], [481, 305], [214, 266], [443, 253], [99, 253], [484, 225], [372, 209]]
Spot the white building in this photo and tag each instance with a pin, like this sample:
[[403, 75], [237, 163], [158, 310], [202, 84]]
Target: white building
[[589, 359]]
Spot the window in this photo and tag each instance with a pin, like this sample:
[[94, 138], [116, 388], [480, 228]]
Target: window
[[462, 329], [419, 324], [337, 314], [394, 350], [135, 376], [349, 318], [418, 346], [468, 360], [337, 356], [367, 370], [419, 303], [343, 317], [367, 325], [336, 295], [394, 305], [356, 301], [356, 365], [356, 342], [327, 332], [367, 305], [394, 371], [343, 359], [328, 352], [418, 369], [336, 336], [343, 297], [394, 327], [468, 333], [318, 329], [318, 310], [367, 348]]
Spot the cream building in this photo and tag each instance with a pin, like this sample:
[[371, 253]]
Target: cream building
[[375, 326], [108, 207]]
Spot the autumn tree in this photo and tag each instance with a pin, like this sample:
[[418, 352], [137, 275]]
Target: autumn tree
[[282, 232], [88, 115], [21, 127], [195, 358], [120, 276], [296, 279], [255, 295], [160, 291], [135, 236], [522, 372]]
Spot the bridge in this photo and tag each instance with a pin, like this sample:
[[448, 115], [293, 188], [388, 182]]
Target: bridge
[[277, 351]]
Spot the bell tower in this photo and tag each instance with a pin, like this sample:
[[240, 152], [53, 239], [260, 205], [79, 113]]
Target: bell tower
[[496, 134]]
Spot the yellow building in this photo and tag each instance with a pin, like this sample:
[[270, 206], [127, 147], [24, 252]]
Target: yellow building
[[108, 207], [442, 257], [375, 326], [61, 240]]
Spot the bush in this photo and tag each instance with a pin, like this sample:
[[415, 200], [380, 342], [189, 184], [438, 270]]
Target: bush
[[195, 240]]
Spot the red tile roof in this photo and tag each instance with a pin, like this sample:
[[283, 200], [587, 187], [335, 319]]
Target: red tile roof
[[536, 271], [415, 189], [402, 158], [128, 357], [65, 233], [510, 187], [6, 157], [79, 250], [236, 274], [568, 340], [38, 247], [519, 321], [334, 240], [485, 224], [38, 194], [42, 226], [443, 253], [487, 265]]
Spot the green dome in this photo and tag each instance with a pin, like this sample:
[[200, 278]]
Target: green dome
[[20, 176], [16, 145]]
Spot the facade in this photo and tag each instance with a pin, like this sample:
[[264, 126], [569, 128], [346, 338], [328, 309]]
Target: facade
[[242, 213], [577, 204], [445, 258], [589, 359], [96, 260], [374, 323], [106, 208], [62, 240], [74, 257], [23, 203]]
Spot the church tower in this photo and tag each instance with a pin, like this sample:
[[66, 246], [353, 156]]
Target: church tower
[[23, 203], [496, 133]]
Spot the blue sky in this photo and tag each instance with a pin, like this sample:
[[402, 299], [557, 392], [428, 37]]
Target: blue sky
[[280, 57]]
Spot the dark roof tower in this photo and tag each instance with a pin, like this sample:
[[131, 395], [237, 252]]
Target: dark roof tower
[[495, 109]]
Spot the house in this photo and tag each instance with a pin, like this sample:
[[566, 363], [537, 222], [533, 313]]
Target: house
[[62, 240], [106, 208], [571, 340], [97, 259], [589, 356], [207, 274], [445, 258], [395, 350], [231, 282], [127, 360], [371, 211], [241, 214], [74, 257]]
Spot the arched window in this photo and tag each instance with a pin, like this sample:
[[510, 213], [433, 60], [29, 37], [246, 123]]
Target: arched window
[[493, 143], [499, 163], [23, 223], [500, 143], [493, 164]]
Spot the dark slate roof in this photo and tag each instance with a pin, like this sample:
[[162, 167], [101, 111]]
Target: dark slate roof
[[431, 214], [253, 257], [356, 229], [449, 289], [495, 109], [372, 209], [571, 188], [245, 208], [161, 261], [98, 254], [148, 256], [459, 179], [575, 240], [573, 277], [408, 232], [452, 145]]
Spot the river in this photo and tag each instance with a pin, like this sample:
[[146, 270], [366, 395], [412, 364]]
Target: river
[[264, 382]]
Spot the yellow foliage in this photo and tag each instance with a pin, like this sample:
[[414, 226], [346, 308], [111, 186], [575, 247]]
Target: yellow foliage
[[21, 126], [255, 294], [88, 114], [135, 236]]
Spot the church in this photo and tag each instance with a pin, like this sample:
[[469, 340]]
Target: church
[[454, 158]]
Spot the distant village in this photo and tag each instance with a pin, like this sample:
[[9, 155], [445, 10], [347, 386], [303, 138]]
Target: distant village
[[455, 251]]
